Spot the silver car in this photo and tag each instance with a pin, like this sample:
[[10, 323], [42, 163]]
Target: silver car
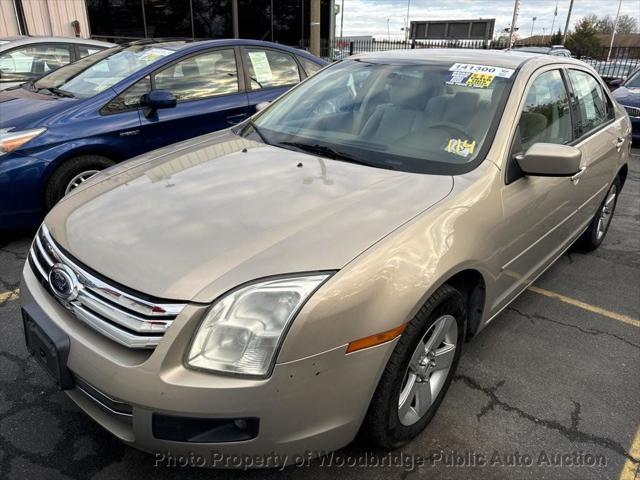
[[26, 58], [275, 288]]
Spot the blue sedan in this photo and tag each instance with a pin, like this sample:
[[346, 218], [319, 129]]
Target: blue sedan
[[628, 95], [59, 130]]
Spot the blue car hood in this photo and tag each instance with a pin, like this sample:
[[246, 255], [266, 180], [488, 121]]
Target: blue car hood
[[628, 96], [23, 109]]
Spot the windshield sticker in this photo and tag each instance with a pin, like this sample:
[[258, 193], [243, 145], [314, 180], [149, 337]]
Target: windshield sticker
[[154, 54], [472, 80], [460, 147], [471, 68], [261, 67]]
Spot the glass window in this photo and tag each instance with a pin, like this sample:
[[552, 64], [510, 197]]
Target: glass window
[[416, 117], [94, 74], [29, 62], [119, 18], [86, 50], [269, 68], [254, 19], [309, 66], [546, 116], [633, 81], [212, 19], [592, 103], [287, 22], [168, 18], [200, 76], [130, 98]]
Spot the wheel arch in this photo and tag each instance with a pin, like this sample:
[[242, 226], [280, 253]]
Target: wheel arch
[[622, 174], [471, 284]]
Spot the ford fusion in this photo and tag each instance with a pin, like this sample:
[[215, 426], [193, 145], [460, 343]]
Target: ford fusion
[[315, 271]]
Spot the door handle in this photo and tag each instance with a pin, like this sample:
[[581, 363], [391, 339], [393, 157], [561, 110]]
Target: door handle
[[576, 178], [233, 119], [619, 143]]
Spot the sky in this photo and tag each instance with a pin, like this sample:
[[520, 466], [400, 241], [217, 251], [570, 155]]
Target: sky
[[369, 17]]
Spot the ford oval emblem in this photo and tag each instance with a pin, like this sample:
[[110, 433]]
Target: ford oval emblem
[[63, 282]]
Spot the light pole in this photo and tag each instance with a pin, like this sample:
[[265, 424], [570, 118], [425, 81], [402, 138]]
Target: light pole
[[613, 34], [532, 25], [516, 11], [566, 26], [406, 28], [341, 18], [388, 31]]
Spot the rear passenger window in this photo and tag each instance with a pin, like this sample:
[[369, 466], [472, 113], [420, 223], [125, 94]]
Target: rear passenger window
[[546, 116], [268, 68], [309, 66], [592, 103], [86, 50]]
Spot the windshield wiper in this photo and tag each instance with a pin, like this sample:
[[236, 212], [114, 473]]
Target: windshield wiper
[[58, 92], [329, 152], [255, 128]]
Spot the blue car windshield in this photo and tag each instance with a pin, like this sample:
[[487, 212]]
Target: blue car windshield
[[95, 73], [633, 81]]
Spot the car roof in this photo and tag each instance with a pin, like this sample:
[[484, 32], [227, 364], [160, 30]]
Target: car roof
[[17, 41], [498, 58], [193, 45]]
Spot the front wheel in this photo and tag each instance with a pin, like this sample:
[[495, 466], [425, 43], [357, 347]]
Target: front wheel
[[71, 174], [599, 226], [419, 371]]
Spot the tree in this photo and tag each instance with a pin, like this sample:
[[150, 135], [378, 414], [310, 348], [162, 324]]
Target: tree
[[583, 40], [556, 38], [626, 24]]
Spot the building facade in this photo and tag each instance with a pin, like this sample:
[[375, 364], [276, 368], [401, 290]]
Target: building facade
[[282, 21]]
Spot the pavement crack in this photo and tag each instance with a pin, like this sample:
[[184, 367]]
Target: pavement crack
[[572, 433], [532, 317]]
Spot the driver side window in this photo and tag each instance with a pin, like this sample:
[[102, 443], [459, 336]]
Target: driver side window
[[546, 116]]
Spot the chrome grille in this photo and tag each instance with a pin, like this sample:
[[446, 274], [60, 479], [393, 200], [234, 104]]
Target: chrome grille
[[122, 316], [632, 111]]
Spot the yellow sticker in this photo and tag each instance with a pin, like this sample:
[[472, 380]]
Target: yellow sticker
[[480, 80], [464, 148]]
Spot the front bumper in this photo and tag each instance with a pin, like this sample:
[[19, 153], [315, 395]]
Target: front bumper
[[307, 407], [21, 190]]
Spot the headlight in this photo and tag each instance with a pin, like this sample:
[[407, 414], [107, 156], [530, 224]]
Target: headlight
[[10, 141], [242, 331]]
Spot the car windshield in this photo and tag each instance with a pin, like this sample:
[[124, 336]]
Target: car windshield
[[633, 81], [428, 117], [95, 73]]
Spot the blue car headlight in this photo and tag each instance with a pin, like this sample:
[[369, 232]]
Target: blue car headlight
[[10, 140]]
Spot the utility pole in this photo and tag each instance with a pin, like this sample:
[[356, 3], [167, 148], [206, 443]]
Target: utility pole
[[514, 20], [613, 34], [314, 30], [566, 26], [555, 14]]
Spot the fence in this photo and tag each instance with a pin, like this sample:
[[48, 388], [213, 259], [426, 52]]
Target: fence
[[621, 62]]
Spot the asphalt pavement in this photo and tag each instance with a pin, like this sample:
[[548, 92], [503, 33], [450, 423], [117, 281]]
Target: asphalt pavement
[[549, 390]]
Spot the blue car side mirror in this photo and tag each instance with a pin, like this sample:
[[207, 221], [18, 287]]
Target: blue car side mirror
[[157, 99]]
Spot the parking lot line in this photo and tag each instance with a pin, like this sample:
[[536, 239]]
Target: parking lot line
[[631, 469], [8, 296], [585, 306]]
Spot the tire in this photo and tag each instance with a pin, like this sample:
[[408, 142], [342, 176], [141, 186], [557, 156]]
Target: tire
[[390, 423], [69, 170], [595, 233]]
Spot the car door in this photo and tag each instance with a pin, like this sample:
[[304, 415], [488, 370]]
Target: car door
[[268, 74], [122, 121], [210, 96], [537, 211], [600, 139], [29, 62]]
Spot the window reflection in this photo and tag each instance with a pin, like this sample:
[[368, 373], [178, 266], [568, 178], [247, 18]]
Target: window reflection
[[268, 68], [212, 19], [168, 18], [120, 18], [201, 76]]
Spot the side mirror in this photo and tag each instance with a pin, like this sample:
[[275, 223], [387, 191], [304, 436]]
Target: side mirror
[[262, 106], [157, 99], [615, 83], [550, 160]]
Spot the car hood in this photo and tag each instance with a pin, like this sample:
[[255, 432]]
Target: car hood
[[627, 96], [190, 222], [23, 109]]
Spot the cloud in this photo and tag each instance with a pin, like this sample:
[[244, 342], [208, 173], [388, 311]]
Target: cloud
[[369, 17]]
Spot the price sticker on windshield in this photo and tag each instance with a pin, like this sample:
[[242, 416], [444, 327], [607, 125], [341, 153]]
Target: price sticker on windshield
[[486, 69], [480, 80]]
